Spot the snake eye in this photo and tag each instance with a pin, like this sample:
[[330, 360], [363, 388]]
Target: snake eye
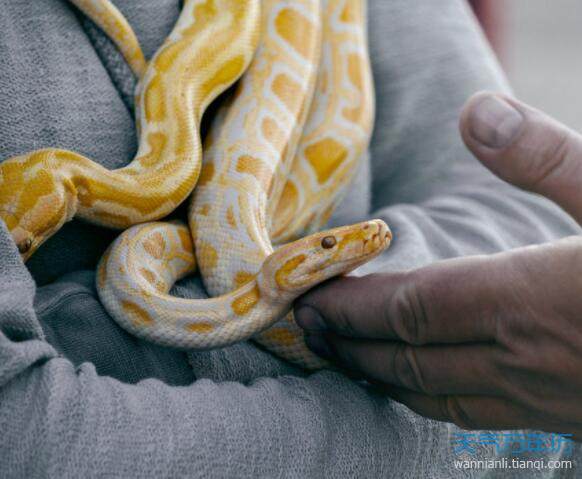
[[328, 242], [25, 245]]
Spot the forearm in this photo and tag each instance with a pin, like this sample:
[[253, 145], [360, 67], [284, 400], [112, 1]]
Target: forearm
[[70, 421]]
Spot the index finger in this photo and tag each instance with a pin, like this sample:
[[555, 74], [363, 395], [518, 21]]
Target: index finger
[[449, 302]]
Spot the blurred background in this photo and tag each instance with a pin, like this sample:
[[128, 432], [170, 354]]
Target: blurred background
[[538, 42]]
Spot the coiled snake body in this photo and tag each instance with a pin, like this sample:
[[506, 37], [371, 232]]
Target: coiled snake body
[[277, 159]]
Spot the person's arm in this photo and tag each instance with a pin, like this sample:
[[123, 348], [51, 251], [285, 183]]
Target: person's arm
[[57, 420], [484, 341]]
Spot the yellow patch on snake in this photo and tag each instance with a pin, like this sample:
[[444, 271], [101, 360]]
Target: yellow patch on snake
[[350, 237], [63, 155], [325, 156], [155, 246], [185, 239], [247, 301], [243, 277], [288, 91], [280, 336], [355, 68], [149, 276], [294, 28], [206, 174], [12, 175], [155, 101], [157, 142], [41, 184], [257, 168], [44, 157], [231, 69], [139, 315], [202, 13], [349, 13], [203, 210], [199, 328], [168, 55], [287, 206], [290, 266], [273, 133], [91, 191], [183, 143], [207, 251]]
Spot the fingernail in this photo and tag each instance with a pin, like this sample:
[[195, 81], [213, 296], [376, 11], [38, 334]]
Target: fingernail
[[319, 345], [494, 122], [309, 318]]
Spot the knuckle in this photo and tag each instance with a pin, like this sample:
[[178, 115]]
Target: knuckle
[[554, 160], [572, 257], [407, 370], [344, 323], [561, 146], [409, 316]]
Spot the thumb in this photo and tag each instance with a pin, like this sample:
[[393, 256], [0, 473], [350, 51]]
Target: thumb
[[525, 147]]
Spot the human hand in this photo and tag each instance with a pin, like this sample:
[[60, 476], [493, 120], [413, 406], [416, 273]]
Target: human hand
[[488, 342]]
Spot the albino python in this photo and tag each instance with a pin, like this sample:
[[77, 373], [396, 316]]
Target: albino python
[[210, 47], [277, 157]]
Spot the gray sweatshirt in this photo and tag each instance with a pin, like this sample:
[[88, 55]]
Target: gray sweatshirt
[[81, 398]]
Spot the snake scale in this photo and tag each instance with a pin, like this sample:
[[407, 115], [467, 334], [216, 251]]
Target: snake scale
[[277, 159]]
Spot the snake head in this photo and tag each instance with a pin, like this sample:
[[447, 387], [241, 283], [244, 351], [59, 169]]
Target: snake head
[[298, 266], [29, 234], [34, 204], [26, 241], [37, 223]]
